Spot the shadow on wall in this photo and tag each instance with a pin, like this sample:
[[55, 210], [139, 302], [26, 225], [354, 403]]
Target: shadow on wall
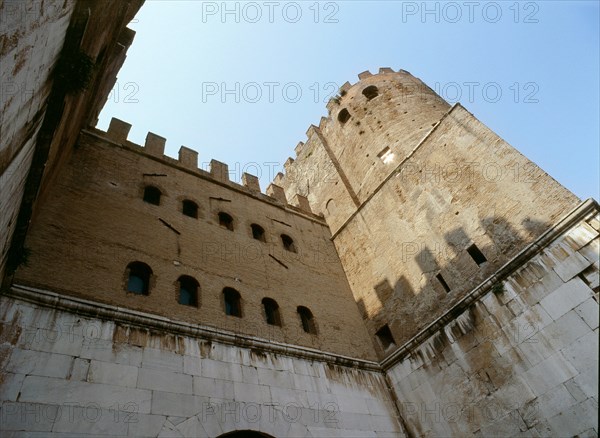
[[446, 277]]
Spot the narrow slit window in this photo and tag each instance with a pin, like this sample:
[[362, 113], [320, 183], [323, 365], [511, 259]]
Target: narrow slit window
[[233, 305], [288, 243], [476, 255], [188, 291], [152, 195], [384, 334], [307, 320], [190, 208], [258, 232], [271, 311], [226, 221], [443, 282], [138, 278]]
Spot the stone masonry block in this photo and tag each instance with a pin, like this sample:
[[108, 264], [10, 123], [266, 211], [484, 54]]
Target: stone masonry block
[[588, 311], [571, 266], [566, 298], [167, 381], [49, 390], [114, 374], [549, 373]]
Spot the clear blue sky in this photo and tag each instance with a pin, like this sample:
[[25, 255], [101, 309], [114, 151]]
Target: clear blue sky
[[542, 56]]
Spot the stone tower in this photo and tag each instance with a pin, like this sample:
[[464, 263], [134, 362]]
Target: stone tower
[[423, 201]]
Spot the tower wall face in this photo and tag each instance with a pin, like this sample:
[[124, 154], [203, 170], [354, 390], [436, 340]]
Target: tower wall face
[[414, 215], [96, 223]]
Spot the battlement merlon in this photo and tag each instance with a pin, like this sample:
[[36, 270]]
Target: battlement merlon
[[188, 157], [118, 130]]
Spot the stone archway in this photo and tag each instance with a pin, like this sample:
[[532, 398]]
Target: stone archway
[[245, 434]]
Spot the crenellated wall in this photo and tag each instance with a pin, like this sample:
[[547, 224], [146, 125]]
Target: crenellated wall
[[96, 223]]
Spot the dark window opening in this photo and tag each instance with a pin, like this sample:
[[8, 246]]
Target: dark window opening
[[288, 243], [370, 92], [384, 334], [443, 282], [258, 232], [190, 208], [271, 311], [226, 221], [152, 195], [343, 116], [232, 299], [476, 254], [188, 291], [138, 279], [307, 319]]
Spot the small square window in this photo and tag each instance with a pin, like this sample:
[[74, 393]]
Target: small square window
[[384, 334]]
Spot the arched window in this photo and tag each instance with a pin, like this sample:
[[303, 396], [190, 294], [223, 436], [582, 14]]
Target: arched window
[[188, 291], [370, 92], [245, 434], [258, 232], [138, 278], [233, 305], [189, 208], [307, 319], [288, 243], [343, 116], [152, 195], [271, 311], [226, 221]]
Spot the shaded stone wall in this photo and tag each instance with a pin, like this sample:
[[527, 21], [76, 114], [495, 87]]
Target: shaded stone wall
[[31, 38], [41, 112], [520, 361]]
